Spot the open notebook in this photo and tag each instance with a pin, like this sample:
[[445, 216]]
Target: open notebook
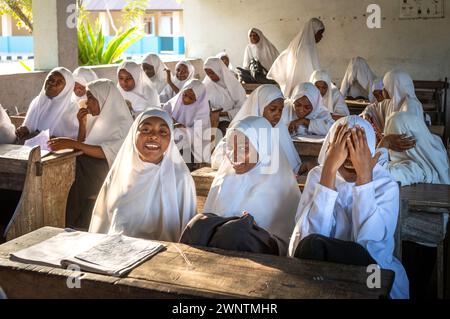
[[113, 255]]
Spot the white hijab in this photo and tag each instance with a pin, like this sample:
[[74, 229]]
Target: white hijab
[[227, 90], [59, 114], [254, 106], [313, 94], [269, 192], [7, 129], [143, 93], [224, 54], [109, 129], [144, 200], [168, 92], [333, 95], [159, 79], [299, 60], [427, 161], [359, 71], [264, 51]]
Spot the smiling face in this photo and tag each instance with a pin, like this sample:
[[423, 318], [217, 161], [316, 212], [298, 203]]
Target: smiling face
[[126, 81], [254, 38], [213, 76], [182, 72], [92, 104], [241, 153], [273, 111], [319, 35], [322, 86], [79, 90], [189, 97], [54, 85], [152, 139], [148, 69], [303, 107]]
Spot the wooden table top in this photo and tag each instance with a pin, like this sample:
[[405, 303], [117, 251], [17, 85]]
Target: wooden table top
[[431, 195], [201, 272], [357, 103], [14, 152]]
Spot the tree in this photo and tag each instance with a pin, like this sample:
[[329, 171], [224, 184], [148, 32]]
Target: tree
[[20, 10]]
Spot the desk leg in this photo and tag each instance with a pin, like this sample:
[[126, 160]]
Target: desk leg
[[440, 270], [402, 214]]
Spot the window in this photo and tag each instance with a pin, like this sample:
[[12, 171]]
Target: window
[[149, 25]]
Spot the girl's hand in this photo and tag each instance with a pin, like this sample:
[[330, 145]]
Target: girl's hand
[[397, 142], [22, 132], [337, 150], [82, 116], [61, 143]]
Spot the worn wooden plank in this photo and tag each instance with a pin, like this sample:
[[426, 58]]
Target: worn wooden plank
[[17, 120], [427, 195], [207, 273], [307, 149]]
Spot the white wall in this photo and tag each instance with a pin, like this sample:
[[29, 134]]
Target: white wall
[[421, 47]]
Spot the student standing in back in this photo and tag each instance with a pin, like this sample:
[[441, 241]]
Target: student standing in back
[[259, 49]]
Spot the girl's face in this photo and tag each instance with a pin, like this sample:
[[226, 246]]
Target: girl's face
[[79, 90], [347, 170], [254, 38], [182, 72], [225, 60], [303, 107], [152, 139], [126, 81], [213, 76], [319, 35], [386, 94], [92, 104], [149, 70], [54, 85], [241, 153], [322, 86], [378, 95], [273, 111], [189, 97]]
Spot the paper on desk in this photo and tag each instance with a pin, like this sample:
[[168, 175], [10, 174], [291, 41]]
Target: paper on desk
[[40, 140], [309, 138]]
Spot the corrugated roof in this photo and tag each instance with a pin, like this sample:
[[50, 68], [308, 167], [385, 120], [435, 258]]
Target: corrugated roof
[[117, 5]]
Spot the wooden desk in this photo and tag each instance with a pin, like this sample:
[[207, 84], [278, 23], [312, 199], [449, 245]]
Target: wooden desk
[[356, 106], [44, 183], [423, 218], [204, 177], [308, 151], [250, 87], [210, 273]]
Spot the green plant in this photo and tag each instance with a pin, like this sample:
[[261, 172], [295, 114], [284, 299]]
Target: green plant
[[91, 44]]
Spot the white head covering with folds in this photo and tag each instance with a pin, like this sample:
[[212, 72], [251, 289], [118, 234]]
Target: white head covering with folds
[[427, 162], [358, 73], [83, 75], [333, 99], [227, 93], [269, 192], [7, 129], [159, 79], [59, 114], [168, 92], [143, 93], [222, 54], [110, 127], [299, 60], [263, 51], [145, 200]]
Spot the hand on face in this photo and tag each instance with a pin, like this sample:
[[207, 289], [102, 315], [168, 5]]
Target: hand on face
[[337, 150], [82, 115]]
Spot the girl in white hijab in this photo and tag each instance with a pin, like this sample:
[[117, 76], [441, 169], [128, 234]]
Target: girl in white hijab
[[257, 179], [7, 129], [190, 110], [331, 96], [349, 208], [223, 89], [262, 103], [53, 108], [156, 71], [358, 80], [104, 124], [147, 194], [226, 60], [260, 49], [135, 87], [82, 76], [300, 59], [184, 71], [426, 162], [307, 115]]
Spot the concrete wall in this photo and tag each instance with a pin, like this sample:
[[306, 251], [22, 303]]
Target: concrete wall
[[18, 90], [421, 47]]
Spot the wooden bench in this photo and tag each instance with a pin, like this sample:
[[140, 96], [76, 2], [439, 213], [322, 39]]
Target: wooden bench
[[356, 107], [308, 151], [44, 183], [433, 96], [250, 87], [423, 218], [204, 177], [183, 271]]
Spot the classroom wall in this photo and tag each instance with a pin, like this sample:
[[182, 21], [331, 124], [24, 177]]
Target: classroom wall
[[421, 47]]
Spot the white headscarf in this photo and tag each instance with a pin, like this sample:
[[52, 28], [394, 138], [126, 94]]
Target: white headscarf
[[59, 114], [358, 70], [333, 99], [159, 79], [227, 92], [143, 93], [254, 106], [168, 93], [269, 192], [83, 75], [225, 54], [299, 60], [110, 127], [145, 200], [7, 129], [264, 51], [426, 162]]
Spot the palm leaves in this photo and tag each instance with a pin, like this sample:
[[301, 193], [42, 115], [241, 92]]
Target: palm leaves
[[91, 44]]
